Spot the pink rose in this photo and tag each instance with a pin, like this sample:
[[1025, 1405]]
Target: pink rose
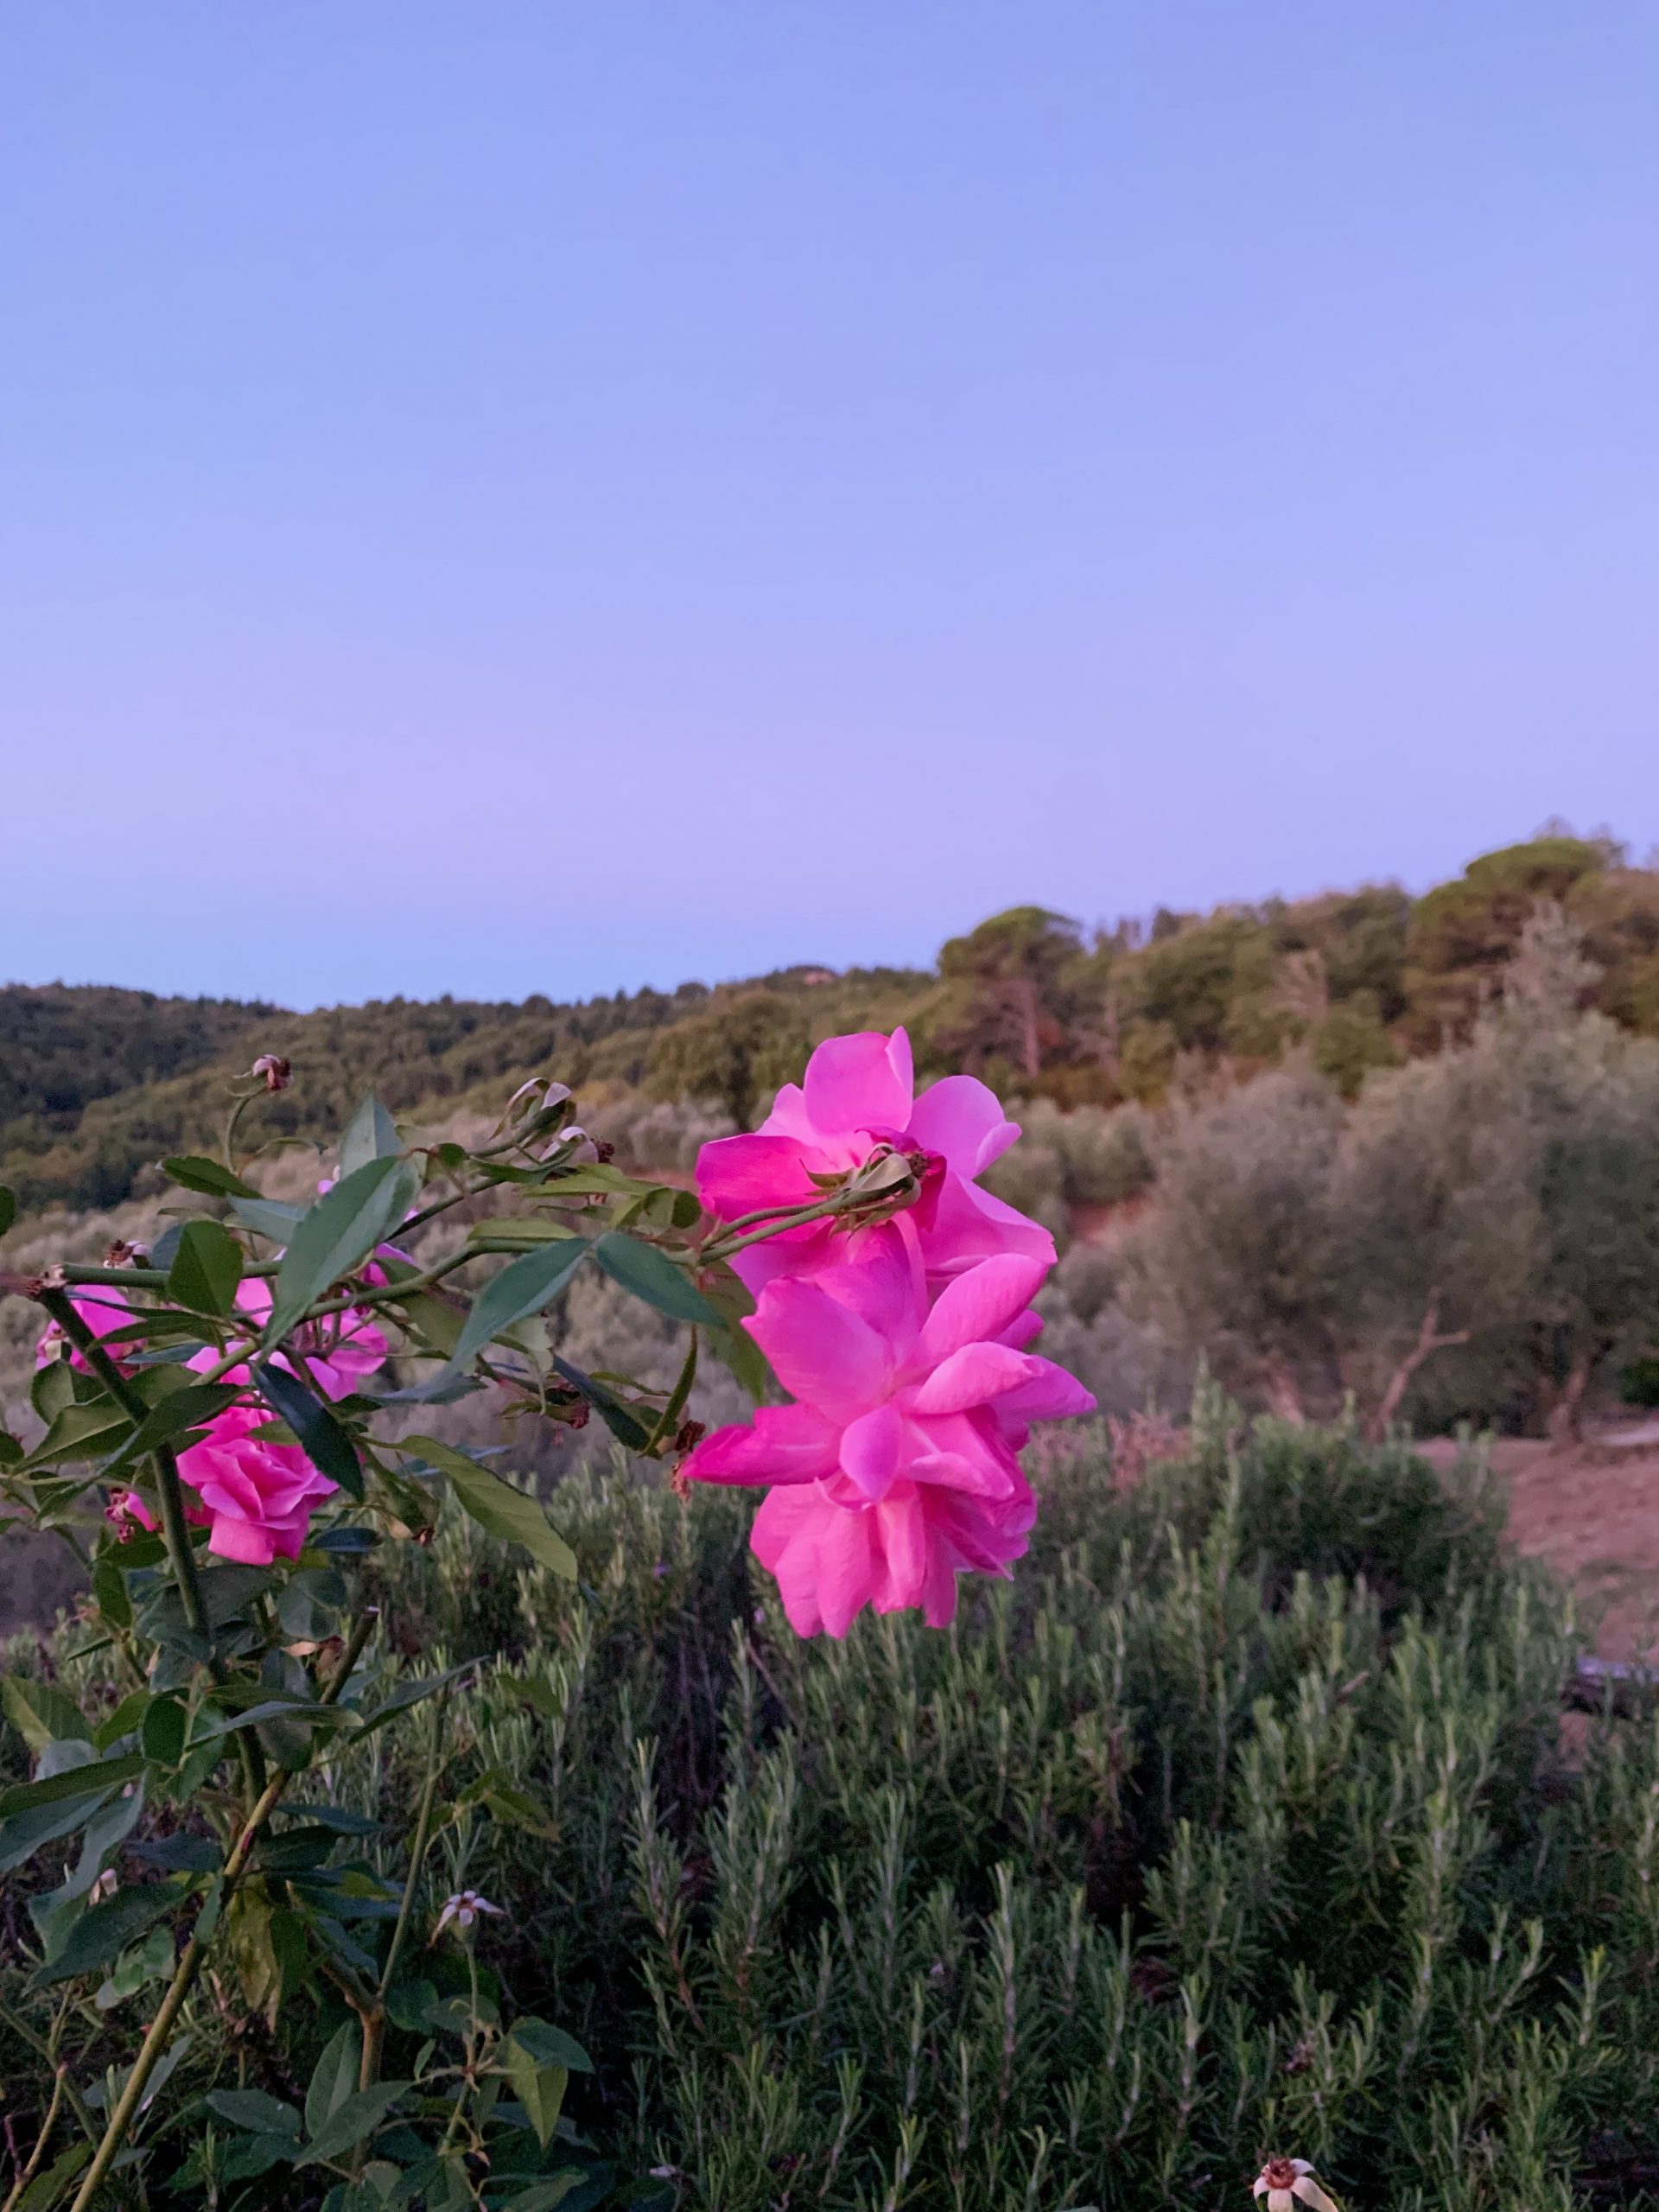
[[102, 1309], [859, 1092], [896, 1468], [257, 1497], [340, 1352]]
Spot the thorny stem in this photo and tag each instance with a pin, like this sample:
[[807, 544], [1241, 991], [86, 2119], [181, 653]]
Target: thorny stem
[[144, 1278], [721, 1248], [161, 2027], [176, 1530], [676, 1406], [39, 2044], [22, 2183], [374, 2025], [237, 1110], [174, 1526]]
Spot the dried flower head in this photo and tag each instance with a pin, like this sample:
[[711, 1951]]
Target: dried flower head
[[273, 1071], [1287, 2181], [462, 1907]]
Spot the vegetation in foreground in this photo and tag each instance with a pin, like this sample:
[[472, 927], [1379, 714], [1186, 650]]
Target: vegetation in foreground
[[1242, 1821]]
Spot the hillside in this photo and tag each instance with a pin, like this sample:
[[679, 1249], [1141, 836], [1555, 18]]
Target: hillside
[[95, 1083]]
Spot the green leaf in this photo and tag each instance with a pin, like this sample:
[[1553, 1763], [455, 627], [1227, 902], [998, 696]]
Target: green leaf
[[337, 1235], [411, 1693], [352, 2122], [207, 1269], [7, 1208], [42, 1713], [309, 1604], [90, 1781], [519, 1232], [371, 1134], [270, 1218], [331, 1816], [651, 1275], [600, 1178], [24, 1833], [79, 1431], [105, 1930], [545, 2196], [323, 1437], [163, 1732], [334, 2078], [550, 2046], [123, 1721], [52, 1390], [522, 1288], [253, 2110], [180, 1855], [540, 2089], [49, 2187], [109, 1589], [191, 1405], [304, 1711], [208, 1177], [625, 1426], [512, 1515]]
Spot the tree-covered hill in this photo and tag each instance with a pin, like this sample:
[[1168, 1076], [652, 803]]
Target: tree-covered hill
[[96, 1083]]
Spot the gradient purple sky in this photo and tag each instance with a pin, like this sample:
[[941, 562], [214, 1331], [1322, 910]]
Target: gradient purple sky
[[530, 496]]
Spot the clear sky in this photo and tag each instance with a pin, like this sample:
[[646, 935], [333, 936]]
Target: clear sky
[[516, 495]]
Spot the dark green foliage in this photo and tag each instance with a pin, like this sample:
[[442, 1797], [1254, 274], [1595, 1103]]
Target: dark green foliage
[[413, 1054], [735, 1054], [1241, 1821], [1238, 1822], [95, 1083]]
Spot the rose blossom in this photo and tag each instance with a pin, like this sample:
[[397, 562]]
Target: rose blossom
[[103, 1310], [860, 1092], [896, 1467], [338, 1353], [257, 1498]]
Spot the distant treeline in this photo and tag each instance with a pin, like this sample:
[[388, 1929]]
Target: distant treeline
[[96, 1083]]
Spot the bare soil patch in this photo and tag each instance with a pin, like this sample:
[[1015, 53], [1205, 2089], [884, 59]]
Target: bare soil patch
[[1590, 1510]]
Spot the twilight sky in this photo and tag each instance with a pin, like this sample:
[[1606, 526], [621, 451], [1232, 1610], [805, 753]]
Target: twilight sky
[[538, 496]]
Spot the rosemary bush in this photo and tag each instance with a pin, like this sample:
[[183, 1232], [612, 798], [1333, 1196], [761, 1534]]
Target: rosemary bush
[[1242, 1821]]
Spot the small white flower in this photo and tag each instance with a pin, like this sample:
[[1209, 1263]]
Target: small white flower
[[1283, 2182], [462, 1907], [106, 1886]]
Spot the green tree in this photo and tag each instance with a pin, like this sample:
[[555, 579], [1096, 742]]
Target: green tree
[[1236, 1258], [1008, 989], [1463, 933], [733, 1054]]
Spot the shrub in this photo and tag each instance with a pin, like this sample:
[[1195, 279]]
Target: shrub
[[1238, 1821]]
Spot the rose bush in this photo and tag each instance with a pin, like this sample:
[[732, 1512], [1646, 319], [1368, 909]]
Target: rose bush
[[234, 1402]]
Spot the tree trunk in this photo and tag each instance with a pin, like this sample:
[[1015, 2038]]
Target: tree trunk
[[1284, 1393], [1428, 1340], [1031, 1043], [1566, 1415]]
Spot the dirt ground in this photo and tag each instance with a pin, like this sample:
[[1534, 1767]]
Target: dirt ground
[[1592, 1511]]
